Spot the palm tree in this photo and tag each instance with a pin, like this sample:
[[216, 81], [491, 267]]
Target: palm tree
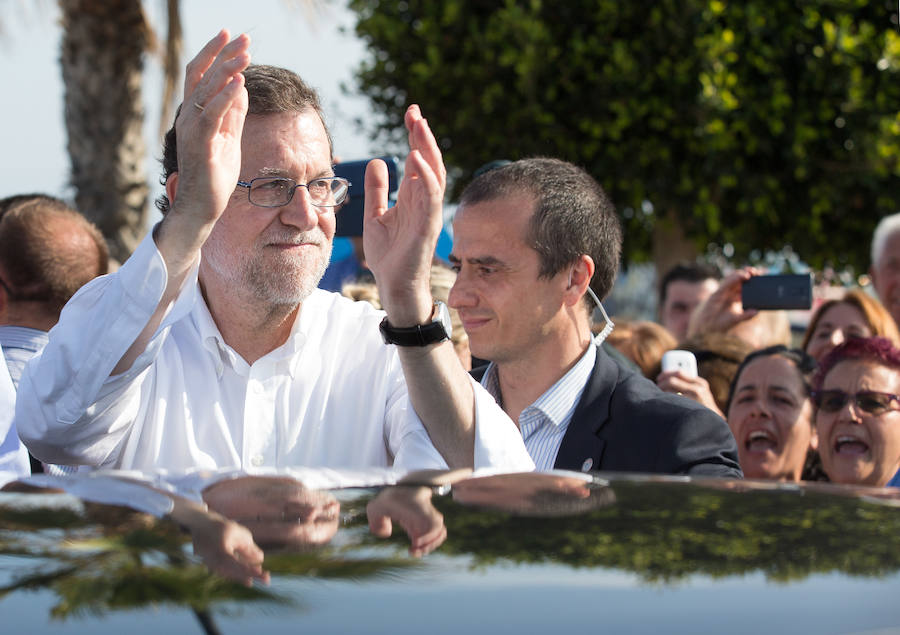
[[102, 60]]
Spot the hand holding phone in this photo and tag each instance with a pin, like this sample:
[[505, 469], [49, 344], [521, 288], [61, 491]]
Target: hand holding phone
[[679, 360], [776, 292]]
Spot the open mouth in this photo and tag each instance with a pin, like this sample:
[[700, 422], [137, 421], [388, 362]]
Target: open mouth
[[760, 441], [850, 445]]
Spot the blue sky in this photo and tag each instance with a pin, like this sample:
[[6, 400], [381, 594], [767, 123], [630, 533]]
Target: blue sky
[[301, 35]]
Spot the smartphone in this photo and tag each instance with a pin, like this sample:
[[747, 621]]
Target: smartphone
[[350, 215], [680, 360], [782, 291]]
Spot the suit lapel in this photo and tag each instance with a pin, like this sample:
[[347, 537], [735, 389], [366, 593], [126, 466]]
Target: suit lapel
[[582, 448]]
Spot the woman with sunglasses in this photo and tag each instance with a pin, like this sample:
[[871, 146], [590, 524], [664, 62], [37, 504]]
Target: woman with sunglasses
[[858, 411]]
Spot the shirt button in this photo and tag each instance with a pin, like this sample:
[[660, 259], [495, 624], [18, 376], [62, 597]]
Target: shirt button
[[257, 460]]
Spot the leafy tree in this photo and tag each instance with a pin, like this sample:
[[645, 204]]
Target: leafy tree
[[756, 123]]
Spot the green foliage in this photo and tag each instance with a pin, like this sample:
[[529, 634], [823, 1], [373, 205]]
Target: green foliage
[[664, 533], [759, 123]]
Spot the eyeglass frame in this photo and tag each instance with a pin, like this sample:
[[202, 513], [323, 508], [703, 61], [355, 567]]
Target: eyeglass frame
[[854, 398], [249, 185]]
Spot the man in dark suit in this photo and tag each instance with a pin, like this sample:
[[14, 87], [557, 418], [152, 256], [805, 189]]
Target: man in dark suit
[[534, 242]]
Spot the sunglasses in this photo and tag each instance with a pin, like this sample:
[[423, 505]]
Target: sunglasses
[[868, 401]]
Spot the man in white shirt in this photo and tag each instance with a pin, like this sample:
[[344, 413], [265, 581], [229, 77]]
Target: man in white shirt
[[211, 347]]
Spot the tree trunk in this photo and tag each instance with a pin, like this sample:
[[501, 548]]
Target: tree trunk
[[670, 246], [102, 63]]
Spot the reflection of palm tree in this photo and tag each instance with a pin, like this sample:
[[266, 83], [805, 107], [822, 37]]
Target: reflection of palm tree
[[91, 574], [117, 559]]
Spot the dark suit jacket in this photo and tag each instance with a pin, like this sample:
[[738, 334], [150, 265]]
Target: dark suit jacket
[[625, 423]]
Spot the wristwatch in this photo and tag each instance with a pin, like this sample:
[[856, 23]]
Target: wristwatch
[[435, 331]]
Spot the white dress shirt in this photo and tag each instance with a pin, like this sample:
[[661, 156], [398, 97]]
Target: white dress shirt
[[13, 455], [543, 424], [333, 395]]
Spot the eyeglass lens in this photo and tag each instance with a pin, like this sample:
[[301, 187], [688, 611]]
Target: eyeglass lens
[[274, 192], [867, 401]]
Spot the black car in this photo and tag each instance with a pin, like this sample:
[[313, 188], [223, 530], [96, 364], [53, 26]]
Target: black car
[[524, 553]]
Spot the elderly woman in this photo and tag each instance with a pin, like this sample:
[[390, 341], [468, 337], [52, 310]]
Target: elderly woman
[[856, 314], [858, 411], [770, 413]]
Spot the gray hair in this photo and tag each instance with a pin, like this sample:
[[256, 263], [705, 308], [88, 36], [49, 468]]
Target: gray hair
[[887, 226]]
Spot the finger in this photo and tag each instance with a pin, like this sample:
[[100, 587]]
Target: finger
[[426, 143], [376, 199], [379, 524], [195, 69], [230, 63], [231, 100], [418, 167], [412, 116], [250, 553], [426, 546]]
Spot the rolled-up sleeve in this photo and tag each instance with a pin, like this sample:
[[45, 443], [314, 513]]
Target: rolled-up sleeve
[[68, 408]]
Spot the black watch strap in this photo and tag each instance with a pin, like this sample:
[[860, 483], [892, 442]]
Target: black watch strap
[[435, 331]]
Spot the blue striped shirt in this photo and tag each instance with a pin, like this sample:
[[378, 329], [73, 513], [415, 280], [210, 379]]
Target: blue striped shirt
[[19, 345], [544, 423]]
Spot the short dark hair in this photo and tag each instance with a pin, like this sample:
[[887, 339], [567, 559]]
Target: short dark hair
[[38, 262], [687, 272], [805, 365], [877, 350], [573, 215], [270, 90]]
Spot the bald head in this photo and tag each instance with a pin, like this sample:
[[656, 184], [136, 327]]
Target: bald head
[[47, 252]]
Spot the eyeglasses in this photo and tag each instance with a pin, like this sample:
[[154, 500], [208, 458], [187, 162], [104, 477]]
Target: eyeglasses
[[868, 401], [275, 191]]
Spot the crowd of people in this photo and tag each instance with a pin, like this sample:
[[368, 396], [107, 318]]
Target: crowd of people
[[212, 348], [796, 405]]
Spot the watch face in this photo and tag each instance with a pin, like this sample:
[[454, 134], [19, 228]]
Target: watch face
[[443, 316]]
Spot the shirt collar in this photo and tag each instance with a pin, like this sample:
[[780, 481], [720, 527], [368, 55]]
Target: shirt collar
[[23, 337], [284, 357], [558, 401]]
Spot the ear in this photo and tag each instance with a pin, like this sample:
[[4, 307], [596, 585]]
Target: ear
[[578, 280], [172, 186], [814, 440]]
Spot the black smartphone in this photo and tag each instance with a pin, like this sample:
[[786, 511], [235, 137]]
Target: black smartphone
[[780, 291], [350, 216]]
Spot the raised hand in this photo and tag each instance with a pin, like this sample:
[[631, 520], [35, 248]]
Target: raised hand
[[208, 131], [399, 241], [696, 388], [723, 309]]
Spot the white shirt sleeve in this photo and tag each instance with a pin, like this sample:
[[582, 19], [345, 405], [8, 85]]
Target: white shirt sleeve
[[69, 410], [498, 442]]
